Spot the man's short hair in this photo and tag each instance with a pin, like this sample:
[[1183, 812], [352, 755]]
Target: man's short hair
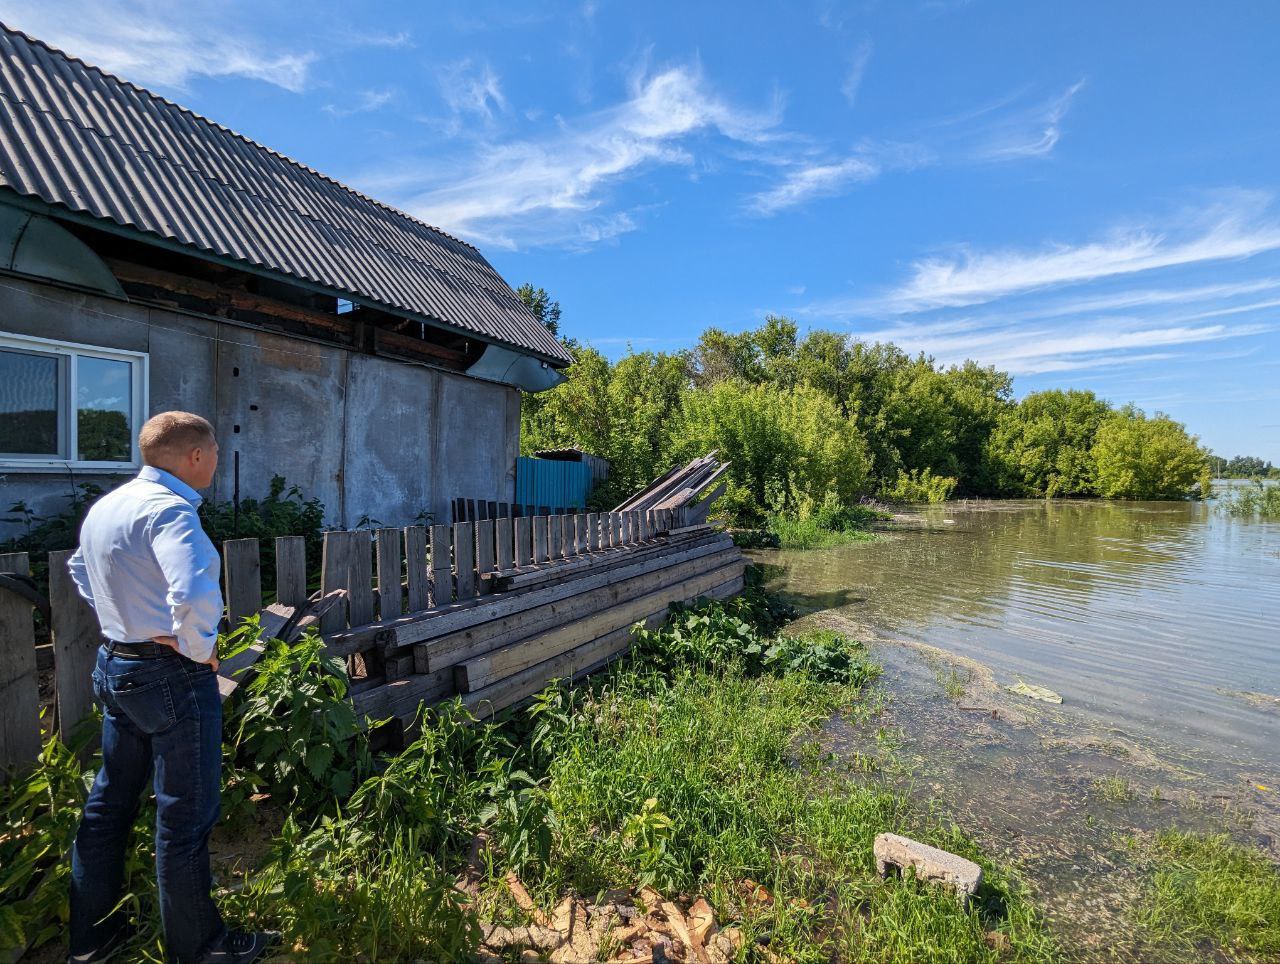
[[171, 434]]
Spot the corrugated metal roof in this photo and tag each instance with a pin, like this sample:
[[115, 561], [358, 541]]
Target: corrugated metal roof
[[75, 136]]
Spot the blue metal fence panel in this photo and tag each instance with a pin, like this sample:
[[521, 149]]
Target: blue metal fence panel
[[552, 483]]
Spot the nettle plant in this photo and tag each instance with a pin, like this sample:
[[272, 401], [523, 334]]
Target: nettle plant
[[296, 733]]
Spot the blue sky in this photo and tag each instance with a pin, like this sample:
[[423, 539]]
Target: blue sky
[[1084, 194]]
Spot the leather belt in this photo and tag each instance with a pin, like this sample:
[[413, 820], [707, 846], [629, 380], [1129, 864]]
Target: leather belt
[[138, 650]]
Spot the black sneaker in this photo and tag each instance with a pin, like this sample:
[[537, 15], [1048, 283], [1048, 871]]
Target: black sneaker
[[237, 947], [107, 951]]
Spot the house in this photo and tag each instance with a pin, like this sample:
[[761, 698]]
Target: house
[[151, 259]]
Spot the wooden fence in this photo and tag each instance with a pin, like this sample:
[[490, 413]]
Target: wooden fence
[[428, 610]]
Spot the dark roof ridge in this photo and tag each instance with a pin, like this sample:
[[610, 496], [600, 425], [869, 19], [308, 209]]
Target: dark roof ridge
[[222, 127]]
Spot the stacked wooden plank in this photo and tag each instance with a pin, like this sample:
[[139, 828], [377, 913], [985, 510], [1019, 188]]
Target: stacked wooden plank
[[553, 617], [681, 490]]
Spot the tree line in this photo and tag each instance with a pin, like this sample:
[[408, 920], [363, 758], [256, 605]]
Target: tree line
[[823, 420]]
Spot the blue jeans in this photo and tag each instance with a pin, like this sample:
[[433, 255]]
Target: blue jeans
[[162, 725]]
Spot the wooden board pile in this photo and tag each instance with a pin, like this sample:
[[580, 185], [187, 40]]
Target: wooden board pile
[[680, 489], [533, 623], [620, 927]]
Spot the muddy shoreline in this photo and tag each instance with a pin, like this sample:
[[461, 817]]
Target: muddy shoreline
[[1065, 802]]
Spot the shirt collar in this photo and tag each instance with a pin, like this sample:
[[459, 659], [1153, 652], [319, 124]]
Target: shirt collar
[[150, 473]]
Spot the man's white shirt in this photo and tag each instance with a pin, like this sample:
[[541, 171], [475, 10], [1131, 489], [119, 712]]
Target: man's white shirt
[[146, 566]]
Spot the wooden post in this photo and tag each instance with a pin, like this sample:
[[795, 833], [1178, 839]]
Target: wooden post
[[524, 535], [242, 579], [390, 599], [615, 538], [502, 532], [555, 537], [441, 566], [291, 570], [593, 531], [76, 638], [335, 563], [464, 559], [360, 578], [539, 539], [484, 554], [415, 564], [20, 707]]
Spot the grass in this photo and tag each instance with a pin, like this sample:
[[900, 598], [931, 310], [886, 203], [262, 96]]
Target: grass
[[1207, 888], [826, 527], [1114, 789], [693, 766]]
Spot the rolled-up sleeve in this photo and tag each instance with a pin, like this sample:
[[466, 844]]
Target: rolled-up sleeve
[[190, 564], [80, 575]]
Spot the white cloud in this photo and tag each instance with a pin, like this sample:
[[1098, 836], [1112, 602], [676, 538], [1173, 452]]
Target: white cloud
[[553, 189], [389, 39], [807, 181], [471, 88], [366, 101], [1230, 231], [857, 68], [160, 44], [1028, 132]]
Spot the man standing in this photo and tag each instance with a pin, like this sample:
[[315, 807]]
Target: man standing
[[151, 575]]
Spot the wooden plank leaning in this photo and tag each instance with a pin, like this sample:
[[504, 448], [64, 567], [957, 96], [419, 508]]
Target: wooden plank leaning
[[76, 638], [523, 541], [484, 554], [20, 705], [360, 578], [417, 581], [335, 565], [291, 570], [441, 566], [502, 531], [390, 587], [464, 559], [242, 578]]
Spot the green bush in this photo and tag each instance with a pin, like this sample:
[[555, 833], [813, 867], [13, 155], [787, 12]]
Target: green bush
[[920, 486], [1137, 457]]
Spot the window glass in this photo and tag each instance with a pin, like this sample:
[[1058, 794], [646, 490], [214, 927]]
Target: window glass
[[29, 392], [104, 410]]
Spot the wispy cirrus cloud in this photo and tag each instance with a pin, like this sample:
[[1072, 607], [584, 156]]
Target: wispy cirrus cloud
[[555, 188], [1022, 132], [804, 182], [365, 101], [1006, 307], [1005, 130], [858, 61], [471, 88], [1226, 231], [161, 44]]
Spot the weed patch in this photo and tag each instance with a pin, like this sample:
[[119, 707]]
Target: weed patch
[[1205, 887]]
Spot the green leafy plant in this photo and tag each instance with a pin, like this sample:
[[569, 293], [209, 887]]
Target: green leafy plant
[[920, 485], [294, 726]]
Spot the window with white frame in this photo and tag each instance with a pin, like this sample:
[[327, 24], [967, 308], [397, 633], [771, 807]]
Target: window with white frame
[[63, 404]]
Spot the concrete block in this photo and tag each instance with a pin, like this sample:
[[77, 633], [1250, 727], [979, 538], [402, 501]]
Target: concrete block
[[928, 863]]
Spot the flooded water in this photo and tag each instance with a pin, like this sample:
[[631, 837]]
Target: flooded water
[[1157, 620]]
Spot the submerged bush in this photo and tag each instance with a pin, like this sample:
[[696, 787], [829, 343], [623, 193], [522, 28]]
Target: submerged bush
[[1255, 500], [920, 486]]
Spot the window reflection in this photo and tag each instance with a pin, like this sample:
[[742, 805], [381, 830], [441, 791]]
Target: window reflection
[[29, 392], [104, 410]]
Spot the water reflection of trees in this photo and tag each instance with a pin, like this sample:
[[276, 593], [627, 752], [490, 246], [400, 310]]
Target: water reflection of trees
[[966, 569]]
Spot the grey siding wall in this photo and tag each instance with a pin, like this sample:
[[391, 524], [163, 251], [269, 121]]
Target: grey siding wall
[[368, 436]]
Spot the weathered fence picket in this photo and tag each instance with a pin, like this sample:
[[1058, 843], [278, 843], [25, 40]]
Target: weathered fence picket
[[20, 707]]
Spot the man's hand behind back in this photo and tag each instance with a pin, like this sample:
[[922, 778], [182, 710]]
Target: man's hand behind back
[[172, 643]]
